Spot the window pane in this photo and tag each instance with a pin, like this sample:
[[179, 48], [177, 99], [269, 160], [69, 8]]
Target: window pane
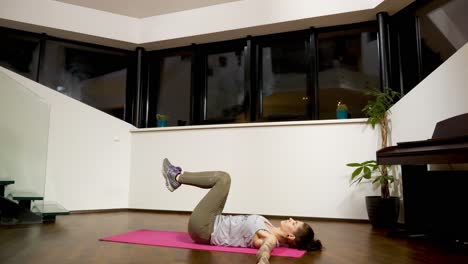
[[444, 30], [225, 87], [174, 93], [93, 76], [284, 81], [348, 66], [19, 54]]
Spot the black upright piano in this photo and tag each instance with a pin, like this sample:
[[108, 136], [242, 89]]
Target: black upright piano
[[435, 201]]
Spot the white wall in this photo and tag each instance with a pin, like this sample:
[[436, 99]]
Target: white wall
[[296, 170], [89, 153], [70, 21], [239, 19], [241, 14], [207, 24], [300, 168], [441, 95]]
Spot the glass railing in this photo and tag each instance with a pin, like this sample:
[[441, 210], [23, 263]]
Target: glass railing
[[24, 133]]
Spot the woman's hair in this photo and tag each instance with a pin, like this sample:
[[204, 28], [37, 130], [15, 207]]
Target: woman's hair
[[305, 239]]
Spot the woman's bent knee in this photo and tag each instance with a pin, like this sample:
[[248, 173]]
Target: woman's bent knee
[[224, 178], [200, 233]]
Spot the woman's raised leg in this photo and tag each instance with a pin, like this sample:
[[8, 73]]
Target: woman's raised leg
[[201, 221]]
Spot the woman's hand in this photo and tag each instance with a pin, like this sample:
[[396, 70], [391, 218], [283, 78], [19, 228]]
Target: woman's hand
[[263, 260]]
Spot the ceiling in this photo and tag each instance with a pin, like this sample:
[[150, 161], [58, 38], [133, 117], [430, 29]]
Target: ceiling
[[144, 8]]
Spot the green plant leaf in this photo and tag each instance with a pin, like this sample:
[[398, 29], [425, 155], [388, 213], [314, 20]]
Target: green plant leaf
[[376, 180], [356, 172], [383, 181], [355, 181], [376, 109], [367, 173], [369, 162], [354, 165]]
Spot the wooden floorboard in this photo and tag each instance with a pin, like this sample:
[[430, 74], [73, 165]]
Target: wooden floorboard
[[74, 239]]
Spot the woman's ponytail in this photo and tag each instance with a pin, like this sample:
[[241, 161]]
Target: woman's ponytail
[[305, 239], [314, 245]]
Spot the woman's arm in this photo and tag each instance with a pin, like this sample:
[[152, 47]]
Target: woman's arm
[[266, 245]]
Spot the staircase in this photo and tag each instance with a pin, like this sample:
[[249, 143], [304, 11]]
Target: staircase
[[20, 207], [25, 119]]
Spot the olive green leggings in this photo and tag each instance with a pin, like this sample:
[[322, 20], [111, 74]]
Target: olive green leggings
[[201, 221]]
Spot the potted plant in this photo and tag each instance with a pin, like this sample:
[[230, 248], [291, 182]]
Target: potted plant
[[341, 111], [161, 120], [382, 210]]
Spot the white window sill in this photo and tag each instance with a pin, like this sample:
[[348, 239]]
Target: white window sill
[[259, 124]]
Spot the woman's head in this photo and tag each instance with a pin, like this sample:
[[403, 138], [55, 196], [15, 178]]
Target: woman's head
[[300, 235]]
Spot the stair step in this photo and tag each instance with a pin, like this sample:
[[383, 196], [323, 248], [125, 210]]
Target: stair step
[[25, 196], [13, 214], [6, 182], [3, 183], [49, 210]]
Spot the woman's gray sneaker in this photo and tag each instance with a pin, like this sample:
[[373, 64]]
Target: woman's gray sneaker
[[170, 173]]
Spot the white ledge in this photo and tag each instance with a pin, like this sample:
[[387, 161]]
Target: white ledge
[[259, 124]]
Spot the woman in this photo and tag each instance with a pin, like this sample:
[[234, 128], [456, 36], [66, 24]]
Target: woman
[[207, 225]]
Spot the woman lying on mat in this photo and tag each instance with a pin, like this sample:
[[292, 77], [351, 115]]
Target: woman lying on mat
[[208, 226]]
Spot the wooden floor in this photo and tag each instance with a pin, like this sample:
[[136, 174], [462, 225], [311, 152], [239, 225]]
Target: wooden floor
[[74, 239]]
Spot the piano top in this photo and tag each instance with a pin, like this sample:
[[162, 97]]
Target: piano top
[[449, 144], [433, 142]]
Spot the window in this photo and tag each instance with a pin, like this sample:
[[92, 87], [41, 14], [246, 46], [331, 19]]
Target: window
[[443, 30], [348, 67], [283, 78], [95, 76], [174, 97], [19, 53], [224, 93]]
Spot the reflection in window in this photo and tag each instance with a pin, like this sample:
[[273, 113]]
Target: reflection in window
[[93, 76], [444, 30], [225, 87], [19, 54], [174, 91], [284, 81], [348, 66]]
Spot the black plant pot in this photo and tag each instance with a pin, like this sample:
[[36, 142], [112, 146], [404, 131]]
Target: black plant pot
[[383, 212]]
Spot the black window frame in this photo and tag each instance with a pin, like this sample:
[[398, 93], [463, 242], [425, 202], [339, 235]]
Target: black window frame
[[19, 34], [310, 44], [143, 87], [373, 24], [155, 58], [203, 51], [128, 102]]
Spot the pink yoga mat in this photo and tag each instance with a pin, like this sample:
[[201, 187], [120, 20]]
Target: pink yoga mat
[[183, 240]]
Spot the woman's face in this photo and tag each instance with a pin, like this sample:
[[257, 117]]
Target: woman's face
[[290, 226]]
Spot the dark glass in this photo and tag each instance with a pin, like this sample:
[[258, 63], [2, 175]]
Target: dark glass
[[174, 91], [225, 90], [444, 30], [19, 53], [284, 80], [348, 67], [94, 76]]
